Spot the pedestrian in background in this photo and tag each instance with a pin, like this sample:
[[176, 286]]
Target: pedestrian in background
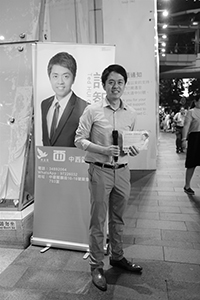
[[179, 119], [172, 124], [166, 123], [191, 134]]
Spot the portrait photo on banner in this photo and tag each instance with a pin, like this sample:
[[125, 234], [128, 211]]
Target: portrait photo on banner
[[67, 79]]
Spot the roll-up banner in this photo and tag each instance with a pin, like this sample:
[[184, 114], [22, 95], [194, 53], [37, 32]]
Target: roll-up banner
[[62, 200]]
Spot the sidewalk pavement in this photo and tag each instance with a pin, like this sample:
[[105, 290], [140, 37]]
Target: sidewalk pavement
[[162, 234]]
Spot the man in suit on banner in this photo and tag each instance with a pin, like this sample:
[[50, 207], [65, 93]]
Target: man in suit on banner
[[61, 112]]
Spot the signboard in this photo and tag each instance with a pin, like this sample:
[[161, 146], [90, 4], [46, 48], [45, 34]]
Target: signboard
[[62, 200]]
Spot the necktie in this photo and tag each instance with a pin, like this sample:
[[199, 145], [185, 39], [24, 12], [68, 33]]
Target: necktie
[[54, 120]]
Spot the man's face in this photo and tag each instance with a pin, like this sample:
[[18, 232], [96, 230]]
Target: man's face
[[182, 110], [114, 86], [61, 79]]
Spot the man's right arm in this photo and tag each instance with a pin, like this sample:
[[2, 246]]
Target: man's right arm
[[83, 134]]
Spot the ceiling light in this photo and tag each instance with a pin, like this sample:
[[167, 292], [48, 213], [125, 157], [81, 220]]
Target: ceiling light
[[164, 26], [164, 12], [164, 36]]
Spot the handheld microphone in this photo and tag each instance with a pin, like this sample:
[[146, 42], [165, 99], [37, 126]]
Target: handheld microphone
[[115, 142]]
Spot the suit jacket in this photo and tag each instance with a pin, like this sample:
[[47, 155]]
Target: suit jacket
[[66, 129]]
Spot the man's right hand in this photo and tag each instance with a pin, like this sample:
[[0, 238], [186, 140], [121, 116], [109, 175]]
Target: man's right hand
[[113, 150]]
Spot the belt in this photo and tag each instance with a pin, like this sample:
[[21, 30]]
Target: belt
[[117, 166]]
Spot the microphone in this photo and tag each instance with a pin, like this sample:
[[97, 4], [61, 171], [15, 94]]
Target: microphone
[[115, 142]]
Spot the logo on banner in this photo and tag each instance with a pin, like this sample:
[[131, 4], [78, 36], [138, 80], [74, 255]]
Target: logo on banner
[[41, 154], [59, 155]]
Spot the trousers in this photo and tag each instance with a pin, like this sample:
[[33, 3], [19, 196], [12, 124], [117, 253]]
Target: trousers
[[109, 193], [179, 131]]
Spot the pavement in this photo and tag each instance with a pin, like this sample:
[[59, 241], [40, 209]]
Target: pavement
[[162, 234]]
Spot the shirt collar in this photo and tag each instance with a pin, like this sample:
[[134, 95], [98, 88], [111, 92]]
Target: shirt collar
[[63, 102], [107, 103]]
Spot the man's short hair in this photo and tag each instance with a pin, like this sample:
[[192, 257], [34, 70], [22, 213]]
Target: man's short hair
[[113, 68], [65, 60]]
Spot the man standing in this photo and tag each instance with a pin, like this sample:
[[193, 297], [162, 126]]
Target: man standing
[[179, 123], [61, 112], [100, 134]]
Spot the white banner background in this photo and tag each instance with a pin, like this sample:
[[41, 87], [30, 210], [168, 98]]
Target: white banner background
[[130, 25]]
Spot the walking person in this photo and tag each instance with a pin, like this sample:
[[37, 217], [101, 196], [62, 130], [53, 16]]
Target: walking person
[[166, 122], [179, 123], [191, 134], [100, 134]]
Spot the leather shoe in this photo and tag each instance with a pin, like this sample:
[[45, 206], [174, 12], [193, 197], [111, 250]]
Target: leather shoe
[[99, 279], [125, 264]]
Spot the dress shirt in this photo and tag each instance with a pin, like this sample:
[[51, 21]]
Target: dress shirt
[[63, 103], [96, 125]]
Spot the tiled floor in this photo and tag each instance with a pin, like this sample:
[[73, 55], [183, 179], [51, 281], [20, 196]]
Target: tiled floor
[[162, 233], [7, 256], [160, 216]]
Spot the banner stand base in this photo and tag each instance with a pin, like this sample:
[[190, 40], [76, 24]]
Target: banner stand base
[[48, 243], [45, 249]]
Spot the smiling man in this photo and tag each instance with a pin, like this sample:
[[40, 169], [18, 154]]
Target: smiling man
[[61, 112], [100, 134]]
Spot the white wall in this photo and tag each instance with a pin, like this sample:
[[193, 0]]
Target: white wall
[[130, 25]]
